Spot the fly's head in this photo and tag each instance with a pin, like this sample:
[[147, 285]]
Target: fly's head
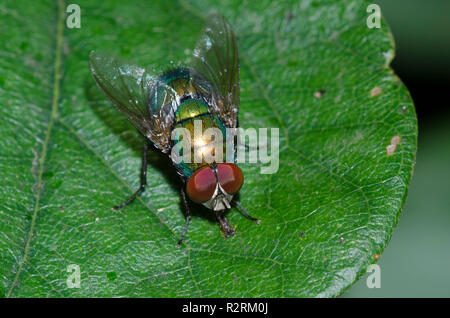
[[215, 186]]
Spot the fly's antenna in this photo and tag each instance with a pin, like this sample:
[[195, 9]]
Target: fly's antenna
[[225, 201]]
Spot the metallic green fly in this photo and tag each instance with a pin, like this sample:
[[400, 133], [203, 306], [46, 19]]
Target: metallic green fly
[[206, 91]]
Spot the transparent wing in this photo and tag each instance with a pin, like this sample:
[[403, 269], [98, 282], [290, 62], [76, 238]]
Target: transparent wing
[[216, 59], [132, 90]]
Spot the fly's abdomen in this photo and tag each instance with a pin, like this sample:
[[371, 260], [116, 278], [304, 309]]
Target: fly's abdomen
[[183, 83]]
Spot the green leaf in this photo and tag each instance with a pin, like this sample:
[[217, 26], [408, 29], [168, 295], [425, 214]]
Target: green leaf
[[311, 68]]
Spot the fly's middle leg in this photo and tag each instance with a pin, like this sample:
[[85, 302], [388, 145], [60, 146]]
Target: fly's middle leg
[[143, 179]]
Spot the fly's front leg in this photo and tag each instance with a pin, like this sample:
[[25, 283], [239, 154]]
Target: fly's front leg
[[246, 213], [188, 214], [225, 226], [143, 179]]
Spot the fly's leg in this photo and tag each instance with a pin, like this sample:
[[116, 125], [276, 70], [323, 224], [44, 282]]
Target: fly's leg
[[246, 214], [188, 216], [143, 179], [225, 226], [247, 147]]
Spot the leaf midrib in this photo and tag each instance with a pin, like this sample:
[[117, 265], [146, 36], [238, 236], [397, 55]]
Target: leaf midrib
[[53, 115]]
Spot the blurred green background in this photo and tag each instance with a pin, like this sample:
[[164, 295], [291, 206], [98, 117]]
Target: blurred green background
[[416, 262]]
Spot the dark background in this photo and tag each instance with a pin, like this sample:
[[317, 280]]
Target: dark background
[[416, 262]]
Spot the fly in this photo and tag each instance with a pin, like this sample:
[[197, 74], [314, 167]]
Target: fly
[[207, 92]]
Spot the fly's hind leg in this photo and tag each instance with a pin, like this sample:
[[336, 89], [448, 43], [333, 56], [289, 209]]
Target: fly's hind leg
[[143, 179]]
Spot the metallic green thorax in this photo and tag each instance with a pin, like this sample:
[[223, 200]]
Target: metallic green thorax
[[193, 107]]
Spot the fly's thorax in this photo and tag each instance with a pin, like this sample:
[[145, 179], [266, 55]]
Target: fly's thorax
[[199, 138]]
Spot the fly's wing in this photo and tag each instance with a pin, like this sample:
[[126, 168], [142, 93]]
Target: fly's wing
[[216, 59], [130, 87]]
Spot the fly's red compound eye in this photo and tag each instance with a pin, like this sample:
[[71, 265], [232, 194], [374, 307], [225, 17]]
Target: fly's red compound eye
[[230, 177], [201, 185]]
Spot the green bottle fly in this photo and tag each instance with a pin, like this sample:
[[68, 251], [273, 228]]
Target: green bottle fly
[[205, 94]]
